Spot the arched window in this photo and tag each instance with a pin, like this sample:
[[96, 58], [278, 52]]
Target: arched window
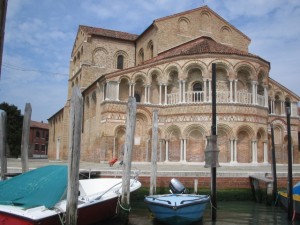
[[120, 62], [141, 55], [150, 47], [197, 88], [137, 97]]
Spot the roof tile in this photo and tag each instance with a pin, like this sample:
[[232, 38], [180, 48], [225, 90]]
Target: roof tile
[[109, 33], [200, 45]]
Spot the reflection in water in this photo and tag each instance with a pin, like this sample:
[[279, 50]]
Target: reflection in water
[[228, 213]]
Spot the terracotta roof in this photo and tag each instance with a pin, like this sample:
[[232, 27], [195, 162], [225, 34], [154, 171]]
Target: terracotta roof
[[39, 125], [109, 33], [202, 45]]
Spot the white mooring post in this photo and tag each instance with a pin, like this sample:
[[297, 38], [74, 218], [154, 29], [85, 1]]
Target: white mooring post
[[154, 152], [25, 137], [128, 146], [74, 156], [3, 144], [195, 186]]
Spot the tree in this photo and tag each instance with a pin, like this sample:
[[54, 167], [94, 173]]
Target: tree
[[13, 128]]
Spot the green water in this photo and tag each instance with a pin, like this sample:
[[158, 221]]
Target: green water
[[228, 213]]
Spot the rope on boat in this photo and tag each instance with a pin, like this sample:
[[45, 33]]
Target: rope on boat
[[122, 207], [62, 217], [294, 215]]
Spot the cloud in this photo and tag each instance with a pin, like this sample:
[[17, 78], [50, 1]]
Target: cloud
[[40, 36]]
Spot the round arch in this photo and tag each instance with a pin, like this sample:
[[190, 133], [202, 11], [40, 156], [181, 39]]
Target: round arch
[[247, 67]]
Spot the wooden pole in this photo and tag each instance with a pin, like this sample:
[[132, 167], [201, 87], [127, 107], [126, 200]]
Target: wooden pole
[[274, 173], [128, 146], [3, 144], [214, 132], [25, 137], [290, 170], [74, 155], [154, 152]]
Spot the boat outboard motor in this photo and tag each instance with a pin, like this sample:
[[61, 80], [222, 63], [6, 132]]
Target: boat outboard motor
[[176, 187]]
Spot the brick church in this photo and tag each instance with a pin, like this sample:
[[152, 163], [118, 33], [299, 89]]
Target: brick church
[[168, 67]]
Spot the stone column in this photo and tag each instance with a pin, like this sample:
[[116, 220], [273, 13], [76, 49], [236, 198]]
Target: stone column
[[166, 99], [272, 106], [235, 150], [103, 92], [118, 91], [209, 90], [180, 91], [231, 151], [183, 91], [235, 91], [266, 96], [160, 150], [133, 87], [266, 152], [147, 150], [146, 94], [282, 108], [149, 89], [160, 94], [184, 150], [254, 151], [205, 90], [181, 150], [253, 83], [130, 91], [167, 151], [231, 94], [107, 91], [114, 148]]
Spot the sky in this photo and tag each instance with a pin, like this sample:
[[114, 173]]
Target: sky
[[39, 37]]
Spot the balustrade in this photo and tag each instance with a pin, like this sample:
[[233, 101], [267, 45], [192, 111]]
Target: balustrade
[[194, 96], [222, 97]]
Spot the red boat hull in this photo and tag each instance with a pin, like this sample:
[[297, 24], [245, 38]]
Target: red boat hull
[[86, 215]]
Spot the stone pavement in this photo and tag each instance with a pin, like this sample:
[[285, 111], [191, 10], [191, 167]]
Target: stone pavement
[[164, 169]]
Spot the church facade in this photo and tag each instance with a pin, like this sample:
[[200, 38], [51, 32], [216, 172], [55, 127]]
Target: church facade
[[169, 67]]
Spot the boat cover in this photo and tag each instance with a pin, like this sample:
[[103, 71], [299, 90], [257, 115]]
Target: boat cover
[[44, 186]]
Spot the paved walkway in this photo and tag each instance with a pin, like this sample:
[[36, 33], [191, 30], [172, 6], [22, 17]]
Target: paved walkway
[[164, 169]]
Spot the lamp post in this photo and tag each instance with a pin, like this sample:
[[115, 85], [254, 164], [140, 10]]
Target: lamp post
[[211, 151], [290, 172]]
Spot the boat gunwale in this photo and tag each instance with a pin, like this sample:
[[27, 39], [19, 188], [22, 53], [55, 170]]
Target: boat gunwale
[[204, 200]]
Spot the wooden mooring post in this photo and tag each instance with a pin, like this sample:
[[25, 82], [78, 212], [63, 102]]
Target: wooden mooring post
[[274, 173], [74, 156], [3, 144], [25, 137], [154, 152], [124, 208]]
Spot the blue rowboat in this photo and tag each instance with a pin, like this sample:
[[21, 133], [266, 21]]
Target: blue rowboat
[[177, 208]]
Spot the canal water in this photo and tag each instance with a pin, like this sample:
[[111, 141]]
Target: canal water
[[228, 213]]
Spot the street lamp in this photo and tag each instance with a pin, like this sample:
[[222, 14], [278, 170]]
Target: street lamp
[[211, 152]]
